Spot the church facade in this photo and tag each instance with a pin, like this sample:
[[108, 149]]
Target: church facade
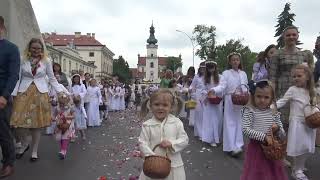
[[150, 68]]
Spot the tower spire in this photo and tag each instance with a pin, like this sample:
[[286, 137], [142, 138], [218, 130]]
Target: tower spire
[[152, 39]]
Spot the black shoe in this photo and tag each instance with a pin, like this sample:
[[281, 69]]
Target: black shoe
[[34, 159], [19, 155], [62, 156]]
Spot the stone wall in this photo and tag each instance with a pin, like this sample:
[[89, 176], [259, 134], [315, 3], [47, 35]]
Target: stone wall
[[20, 21]]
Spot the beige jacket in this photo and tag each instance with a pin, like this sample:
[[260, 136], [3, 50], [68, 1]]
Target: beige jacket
[[154, 131]]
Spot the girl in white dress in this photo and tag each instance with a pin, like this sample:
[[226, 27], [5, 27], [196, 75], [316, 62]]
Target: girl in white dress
[[78, 89], [165, 130], [95, 99], [196, 87], [116, 97], [122, 97], [301, 138], [231, 79], [111, 97], [212, 113], [80, 119]]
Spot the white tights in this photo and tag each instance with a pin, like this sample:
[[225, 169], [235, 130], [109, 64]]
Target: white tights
[[25, 139], [299, 162]]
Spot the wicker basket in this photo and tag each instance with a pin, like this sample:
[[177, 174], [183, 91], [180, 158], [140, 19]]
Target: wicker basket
[[313, 119], [214, 99], [276, 151], [63, 127], [62, 123], [157, 167], [191, 104], [239, 97]]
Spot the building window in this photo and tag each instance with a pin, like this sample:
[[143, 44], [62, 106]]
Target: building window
[[91, 54], [87, 69], [64, 65], [70, 66], [142, 69], [77, 66], [151, 55], [151, 65]]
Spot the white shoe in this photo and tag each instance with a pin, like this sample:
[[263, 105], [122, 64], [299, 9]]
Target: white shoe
[[213, 145], [299, 175]]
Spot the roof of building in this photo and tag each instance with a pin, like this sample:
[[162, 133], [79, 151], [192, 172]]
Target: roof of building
[[162, 61], [77, 39], [136, 74]]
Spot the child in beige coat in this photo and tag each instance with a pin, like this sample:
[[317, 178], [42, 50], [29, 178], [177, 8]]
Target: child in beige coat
[[164, 129]]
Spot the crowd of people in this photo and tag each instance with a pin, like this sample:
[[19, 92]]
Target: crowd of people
[[281, 86]]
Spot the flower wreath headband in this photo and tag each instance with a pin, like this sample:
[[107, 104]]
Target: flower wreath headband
[[232, 54], [210, 61]]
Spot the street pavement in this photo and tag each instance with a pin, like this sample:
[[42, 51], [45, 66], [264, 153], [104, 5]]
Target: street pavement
[[111, 151]]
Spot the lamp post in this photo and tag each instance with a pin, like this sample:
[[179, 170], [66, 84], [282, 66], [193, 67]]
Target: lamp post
[[193, 46]]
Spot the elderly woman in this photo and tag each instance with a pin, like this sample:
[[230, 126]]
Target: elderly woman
[[31, 109], [282, 63]]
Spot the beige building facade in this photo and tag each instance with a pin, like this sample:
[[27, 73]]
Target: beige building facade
[[86, 48]]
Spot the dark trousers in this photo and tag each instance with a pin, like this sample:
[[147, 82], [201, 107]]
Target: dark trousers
[[6, 137]]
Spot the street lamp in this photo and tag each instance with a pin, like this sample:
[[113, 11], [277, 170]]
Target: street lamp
[[193, 46]]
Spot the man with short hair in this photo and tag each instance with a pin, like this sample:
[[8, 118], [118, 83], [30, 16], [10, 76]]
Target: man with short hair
[[9, 75]]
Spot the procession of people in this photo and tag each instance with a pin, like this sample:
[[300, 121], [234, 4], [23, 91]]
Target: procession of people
[[36, 95]]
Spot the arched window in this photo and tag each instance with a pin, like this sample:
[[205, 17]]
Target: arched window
[[151, 65]]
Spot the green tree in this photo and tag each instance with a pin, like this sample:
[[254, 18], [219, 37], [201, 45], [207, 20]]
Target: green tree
[[121, 69], [248, 58], [173, 63], [285, 19], [205, 36]]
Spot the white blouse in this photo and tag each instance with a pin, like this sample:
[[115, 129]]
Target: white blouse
[[299, 98], [230, 81]]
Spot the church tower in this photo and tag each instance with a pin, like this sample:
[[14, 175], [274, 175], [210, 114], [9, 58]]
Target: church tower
[[152, 57]]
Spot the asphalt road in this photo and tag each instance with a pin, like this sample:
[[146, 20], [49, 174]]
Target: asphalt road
[[110, 151]]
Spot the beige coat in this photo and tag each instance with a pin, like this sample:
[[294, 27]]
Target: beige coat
[[154, 131]]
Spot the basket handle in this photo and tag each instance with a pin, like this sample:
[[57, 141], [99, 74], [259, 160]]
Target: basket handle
[[310, 106], [239, 87], [271, 135], [158, 145]]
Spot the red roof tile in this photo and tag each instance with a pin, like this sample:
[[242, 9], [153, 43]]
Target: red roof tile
[[63, 40], [161, 60], [136, 74], [142, 61]]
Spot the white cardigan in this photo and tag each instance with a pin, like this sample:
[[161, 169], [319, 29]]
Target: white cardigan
[[40, 79], [154, 131]]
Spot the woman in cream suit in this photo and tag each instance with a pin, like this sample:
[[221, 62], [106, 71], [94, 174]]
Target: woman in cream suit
[[31, 108]]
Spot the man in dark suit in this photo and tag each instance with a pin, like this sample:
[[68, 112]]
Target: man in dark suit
[[9, 75]]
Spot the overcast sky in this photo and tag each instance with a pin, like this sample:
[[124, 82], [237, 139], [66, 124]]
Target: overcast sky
[[123, 25]]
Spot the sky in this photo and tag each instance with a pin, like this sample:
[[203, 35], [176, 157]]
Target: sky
[[123, 25]]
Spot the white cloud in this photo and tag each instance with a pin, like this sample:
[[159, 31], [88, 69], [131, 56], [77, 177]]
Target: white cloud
[[123, 25]]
